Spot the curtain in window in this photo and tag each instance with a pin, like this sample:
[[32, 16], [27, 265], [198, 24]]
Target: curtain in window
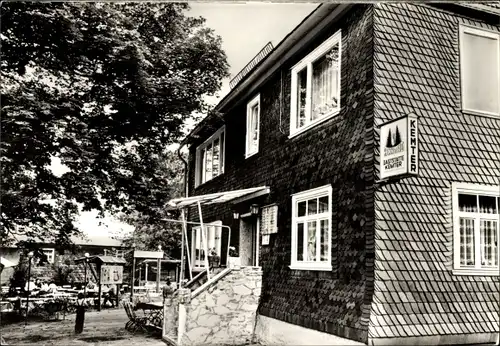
[[489, 242], [466, 241], [324, 84], [215, 158], [301, 97], [253, 128]]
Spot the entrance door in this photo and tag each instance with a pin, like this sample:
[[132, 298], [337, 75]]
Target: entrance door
[[249, 241]]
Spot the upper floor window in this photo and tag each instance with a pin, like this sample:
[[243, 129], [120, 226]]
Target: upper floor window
[[312, 229], [480, 70], [476, 228], [210, 157], [316, 86], [253, 123], [50, 253]]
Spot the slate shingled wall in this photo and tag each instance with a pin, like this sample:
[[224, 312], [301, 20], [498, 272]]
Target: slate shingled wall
[[417, 70], [338, 152]]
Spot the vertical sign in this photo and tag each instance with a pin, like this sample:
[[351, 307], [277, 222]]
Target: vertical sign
[[399, 147]]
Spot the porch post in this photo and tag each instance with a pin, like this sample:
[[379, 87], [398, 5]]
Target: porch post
[[182, 250], [184, 234], [204, 240], [158, 272]]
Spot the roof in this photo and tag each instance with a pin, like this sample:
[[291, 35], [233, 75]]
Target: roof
[[219, 197], [85, 239], [103, 260], [283, 51], [96, 241]]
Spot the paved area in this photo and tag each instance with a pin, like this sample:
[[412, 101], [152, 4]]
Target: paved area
[[103, 328]]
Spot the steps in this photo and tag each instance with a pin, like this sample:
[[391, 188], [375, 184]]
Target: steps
[[201, 278]]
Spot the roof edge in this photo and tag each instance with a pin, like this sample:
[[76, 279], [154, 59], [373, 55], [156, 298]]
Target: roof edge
[[274, 58]]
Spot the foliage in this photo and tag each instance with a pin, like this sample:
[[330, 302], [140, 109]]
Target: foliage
[[104, 88], [153, 231]]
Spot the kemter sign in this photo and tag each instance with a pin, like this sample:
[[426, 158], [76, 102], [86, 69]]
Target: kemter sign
[[399, 147]]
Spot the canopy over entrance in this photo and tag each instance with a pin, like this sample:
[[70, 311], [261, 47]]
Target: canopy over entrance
[[200, 248], [219, 197]]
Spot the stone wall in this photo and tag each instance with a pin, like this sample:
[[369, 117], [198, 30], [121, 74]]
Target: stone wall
[[223, 311]]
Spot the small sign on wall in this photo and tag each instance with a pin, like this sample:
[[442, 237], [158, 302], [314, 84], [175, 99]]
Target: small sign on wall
[[265, 239], [399, 147], [269, 220]]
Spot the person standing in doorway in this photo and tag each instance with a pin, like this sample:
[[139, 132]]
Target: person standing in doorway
[[80, 314]]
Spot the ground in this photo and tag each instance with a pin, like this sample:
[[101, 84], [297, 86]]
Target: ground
[[105, 328]]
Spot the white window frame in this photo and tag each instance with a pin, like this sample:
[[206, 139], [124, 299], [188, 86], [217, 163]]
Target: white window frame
[[218, 240], [248, 148], [200, 169], [477, 189], [307, 63], [464, 29], [50, 258], [322, 191]]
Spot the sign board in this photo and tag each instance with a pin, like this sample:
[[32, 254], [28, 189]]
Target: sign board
[[399, 147], [148, 254], [269, 220], [111, 275]]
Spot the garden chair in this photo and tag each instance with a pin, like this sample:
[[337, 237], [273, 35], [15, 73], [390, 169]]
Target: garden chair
[[135, 323]]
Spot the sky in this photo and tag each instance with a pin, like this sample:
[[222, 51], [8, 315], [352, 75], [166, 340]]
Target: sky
[[245, 28]]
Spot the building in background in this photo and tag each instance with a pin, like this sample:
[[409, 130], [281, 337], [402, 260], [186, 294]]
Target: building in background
[[93, 245]]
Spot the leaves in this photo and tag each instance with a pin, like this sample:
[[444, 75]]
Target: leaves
[[105, 88]]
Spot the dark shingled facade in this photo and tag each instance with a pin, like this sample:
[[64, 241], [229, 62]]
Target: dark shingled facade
[[391, 244]]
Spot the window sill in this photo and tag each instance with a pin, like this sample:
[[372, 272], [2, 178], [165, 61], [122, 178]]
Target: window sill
[[481, 113], [313, 124], [310, 267], [251, 154], [208, 181], [476, 272]]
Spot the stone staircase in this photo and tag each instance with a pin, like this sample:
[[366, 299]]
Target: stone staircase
[[221, 310]]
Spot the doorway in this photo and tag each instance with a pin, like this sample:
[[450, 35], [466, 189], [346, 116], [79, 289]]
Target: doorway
[[249, 240]]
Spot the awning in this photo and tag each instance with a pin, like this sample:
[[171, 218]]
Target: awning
[[219, 197]]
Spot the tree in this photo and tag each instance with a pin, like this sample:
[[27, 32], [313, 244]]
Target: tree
[[104, 88], [150, 229]]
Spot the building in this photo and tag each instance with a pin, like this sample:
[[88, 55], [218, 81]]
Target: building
[[345, 255], [93, 245]]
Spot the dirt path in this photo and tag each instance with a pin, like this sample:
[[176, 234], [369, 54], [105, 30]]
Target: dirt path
[[103, 328]]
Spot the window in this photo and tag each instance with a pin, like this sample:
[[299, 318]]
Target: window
[[50, 255], [253, 123], [475, 228], [311, 229], [480, 70], [212, 235], [210, 157], [316, 86]]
